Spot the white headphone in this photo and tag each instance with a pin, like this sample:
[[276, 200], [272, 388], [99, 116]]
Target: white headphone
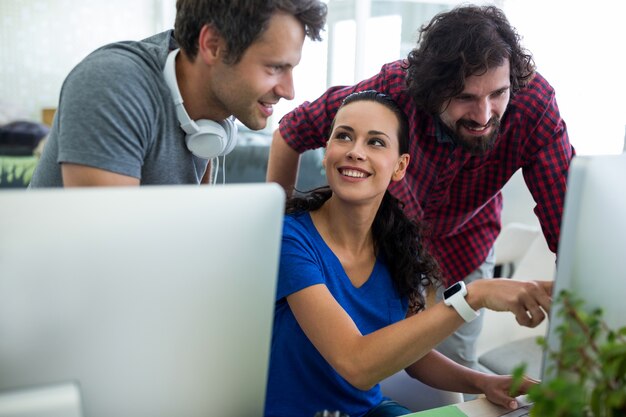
[[204, 138]]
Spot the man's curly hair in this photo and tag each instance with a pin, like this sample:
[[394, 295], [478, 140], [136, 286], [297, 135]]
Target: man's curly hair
[[468, 40]]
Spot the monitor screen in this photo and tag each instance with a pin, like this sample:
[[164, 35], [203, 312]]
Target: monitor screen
[[153, 301], [591, 260]]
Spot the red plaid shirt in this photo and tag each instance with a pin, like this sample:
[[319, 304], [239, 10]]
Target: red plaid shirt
[[455, 193]]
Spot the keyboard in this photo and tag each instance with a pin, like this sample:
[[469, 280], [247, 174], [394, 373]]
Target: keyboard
[[523, 411]]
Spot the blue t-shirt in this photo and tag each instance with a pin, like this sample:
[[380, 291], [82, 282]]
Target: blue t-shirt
[[300, 381]]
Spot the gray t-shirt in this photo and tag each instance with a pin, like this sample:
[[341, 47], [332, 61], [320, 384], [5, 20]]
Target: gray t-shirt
[[116, 113]]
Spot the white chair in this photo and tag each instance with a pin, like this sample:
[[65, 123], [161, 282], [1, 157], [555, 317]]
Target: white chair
[[503, 343], [415, 395], [538, 263], [512, 244], [523, 248]]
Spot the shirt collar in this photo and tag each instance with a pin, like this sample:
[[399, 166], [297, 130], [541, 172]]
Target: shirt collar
[[441, 134]]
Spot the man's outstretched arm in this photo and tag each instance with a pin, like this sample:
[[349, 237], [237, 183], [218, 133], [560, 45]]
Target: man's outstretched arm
[[283, 164]]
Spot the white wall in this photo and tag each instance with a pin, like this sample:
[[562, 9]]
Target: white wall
[[42, 40], [580, 47]]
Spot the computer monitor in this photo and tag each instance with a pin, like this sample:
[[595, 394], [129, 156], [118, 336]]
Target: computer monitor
[[591, 261], [153, 301]]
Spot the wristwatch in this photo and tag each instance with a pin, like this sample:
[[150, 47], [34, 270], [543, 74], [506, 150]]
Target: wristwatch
[[454, 296]]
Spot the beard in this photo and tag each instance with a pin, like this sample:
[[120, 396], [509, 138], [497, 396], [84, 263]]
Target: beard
[[475, 145]]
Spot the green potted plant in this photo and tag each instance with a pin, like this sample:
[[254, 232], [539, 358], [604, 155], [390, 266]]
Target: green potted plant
[[589, 371]]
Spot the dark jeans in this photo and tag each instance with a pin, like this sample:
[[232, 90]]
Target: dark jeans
[[388, 408]]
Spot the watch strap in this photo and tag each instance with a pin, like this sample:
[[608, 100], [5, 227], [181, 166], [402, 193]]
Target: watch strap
[[463, 308], [460, 304]]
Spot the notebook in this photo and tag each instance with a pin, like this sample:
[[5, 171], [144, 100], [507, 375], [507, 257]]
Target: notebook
[[152, 301]]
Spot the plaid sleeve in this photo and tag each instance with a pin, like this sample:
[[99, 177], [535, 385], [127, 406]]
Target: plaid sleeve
[[545, 169], [307, 126]]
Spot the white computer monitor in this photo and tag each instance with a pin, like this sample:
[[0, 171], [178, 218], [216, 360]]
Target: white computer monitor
[[153, 301], [591, 261]]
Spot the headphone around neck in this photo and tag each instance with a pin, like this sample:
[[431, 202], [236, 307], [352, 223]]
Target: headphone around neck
[[205, 139]]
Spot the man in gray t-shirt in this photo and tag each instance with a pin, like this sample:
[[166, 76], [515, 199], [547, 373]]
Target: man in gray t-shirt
[[122, 121]]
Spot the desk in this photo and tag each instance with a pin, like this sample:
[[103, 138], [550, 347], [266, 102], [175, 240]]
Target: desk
[[480, 407]]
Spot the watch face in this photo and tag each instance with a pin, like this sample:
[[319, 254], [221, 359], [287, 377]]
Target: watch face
[[450, 291]]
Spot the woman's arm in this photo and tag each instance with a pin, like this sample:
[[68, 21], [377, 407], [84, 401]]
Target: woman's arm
[[366, 360], [437, 371]]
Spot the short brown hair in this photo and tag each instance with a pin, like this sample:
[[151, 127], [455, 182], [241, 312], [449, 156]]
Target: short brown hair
[[241, 22]]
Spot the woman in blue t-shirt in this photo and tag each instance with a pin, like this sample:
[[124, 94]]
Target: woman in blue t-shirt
[[352, 279]]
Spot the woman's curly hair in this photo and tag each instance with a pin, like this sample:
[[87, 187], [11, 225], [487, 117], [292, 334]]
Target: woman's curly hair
[[468, 40], [396, 237]]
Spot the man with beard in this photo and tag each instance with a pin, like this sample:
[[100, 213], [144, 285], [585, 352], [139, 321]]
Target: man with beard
[[158, 110], [478, 111]]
